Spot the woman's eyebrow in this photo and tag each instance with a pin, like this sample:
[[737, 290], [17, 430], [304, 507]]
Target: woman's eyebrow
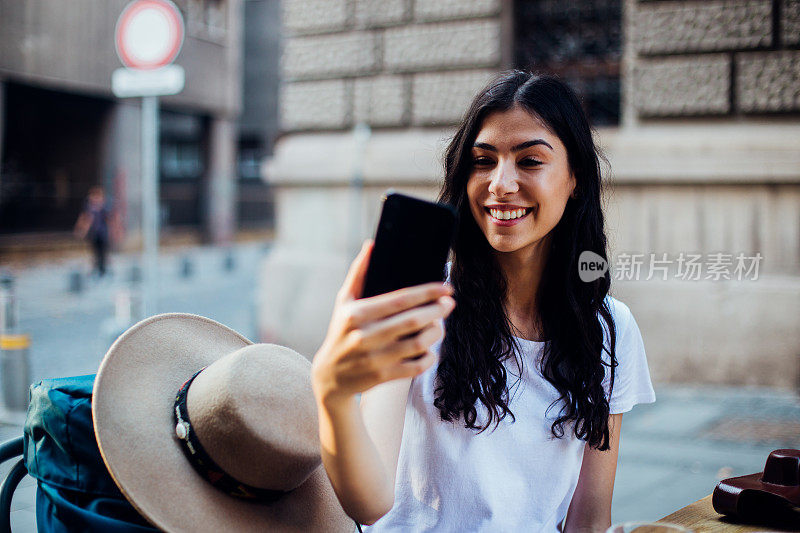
[[517, 148], [528, 144]]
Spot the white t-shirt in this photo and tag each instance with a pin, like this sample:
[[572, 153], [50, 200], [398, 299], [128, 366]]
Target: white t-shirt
[[517, 477]]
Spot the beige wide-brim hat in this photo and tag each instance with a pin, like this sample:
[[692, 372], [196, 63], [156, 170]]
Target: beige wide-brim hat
[[132, 408]]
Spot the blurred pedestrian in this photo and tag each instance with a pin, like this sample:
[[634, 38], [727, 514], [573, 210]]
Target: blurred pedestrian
[[96, 223]]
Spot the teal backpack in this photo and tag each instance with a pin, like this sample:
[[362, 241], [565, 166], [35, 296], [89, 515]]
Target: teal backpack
[[74, 492]]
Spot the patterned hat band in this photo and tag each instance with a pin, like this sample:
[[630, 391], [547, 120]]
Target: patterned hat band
[[203, 463]]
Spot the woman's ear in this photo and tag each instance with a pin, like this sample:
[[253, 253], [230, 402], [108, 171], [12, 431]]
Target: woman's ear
[[575, 193]]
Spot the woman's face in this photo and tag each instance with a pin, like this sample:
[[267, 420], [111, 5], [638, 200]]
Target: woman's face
[[520, 180]]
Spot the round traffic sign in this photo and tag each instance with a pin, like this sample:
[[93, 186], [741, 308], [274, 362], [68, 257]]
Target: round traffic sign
[[149, 34]]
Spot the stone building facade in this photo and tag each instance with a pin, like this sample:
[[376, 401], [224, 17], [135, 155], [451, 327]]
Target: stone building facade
[[705, 162], [388, 64]]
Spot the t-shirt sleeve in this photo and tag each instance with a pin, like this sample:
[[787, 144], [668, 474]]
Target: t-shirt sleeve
[[632, 383]]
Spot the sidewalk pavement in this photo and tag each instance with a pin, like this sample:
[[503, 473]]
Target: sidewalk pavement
[[71, 331], [674, 452]]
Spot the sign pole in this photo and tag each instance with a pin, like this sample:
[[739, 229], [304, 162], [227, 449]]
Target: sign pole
[[148, 37], [150, 204]]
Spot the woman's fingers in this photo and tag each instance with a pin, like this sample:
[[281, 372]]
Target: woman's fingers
[[381, 338], [354, 359], [406, 322], [409, 368], [385, 305], [405, 350], [354, 281]]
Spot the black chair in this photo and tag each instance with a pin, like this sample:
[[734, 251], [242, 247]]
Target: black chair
[[10, 450]]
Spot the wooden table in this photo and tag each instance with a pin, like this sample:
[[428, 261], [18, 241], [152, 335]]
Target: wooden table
[[701, 517]]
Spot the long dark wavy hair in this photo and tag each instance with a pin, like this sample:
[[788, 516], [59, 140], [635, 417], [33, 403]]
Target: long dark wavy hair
[[478, 333]]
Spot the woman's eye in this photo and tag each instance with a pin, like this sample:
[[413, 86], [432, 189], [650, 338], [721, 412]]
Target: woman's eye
[[530, 162], [481, 161]]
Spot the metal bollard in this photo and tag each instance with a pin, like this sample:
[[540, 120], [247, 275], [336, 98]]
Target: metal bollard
[[230, 261], [8, 304], [15, 366], [186, 267], [127, 311], [76, 282], [127, 306], [135, 274], [15, 369]]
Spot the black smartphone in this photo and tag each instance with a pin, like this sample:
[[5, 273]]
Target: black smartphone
[[411, 244]]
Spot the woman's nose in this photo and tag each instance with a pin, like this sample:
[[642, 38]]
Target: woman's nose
[[504, 180]]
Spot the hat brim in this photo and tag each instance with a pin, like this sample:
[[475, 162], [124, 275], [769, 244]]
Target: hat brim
[[132, 407]]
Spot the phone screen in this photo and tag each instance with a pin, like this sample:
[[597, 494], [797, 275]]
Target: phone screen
[[411, 244]]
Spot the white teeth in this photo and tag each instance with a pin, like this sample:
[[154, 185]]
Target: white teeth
[[507, 215]]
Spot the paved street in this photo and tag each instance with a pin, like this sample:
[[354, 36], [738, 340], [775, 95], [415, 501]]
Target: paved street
[[672, 452], [70, 332]]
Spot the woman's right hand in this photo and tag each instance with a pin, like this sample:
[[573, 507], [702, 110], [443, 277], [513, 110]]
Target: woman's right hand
[[378, 339]]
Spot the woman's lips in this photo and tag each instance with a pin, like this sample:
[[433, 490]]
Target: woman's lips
[[511, 222]]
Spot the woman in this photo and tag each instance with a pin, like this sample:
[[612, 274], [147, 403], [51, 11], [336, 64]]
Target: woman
[[512, 422]]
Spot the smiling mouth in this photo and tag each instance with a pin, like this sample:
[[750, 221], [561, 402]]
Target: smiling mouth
[[514, 214]]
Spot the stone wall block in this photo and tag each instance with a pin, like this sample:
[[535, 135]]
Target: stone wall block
[[430, 10], [447, 45], [790, 22], [326, 56], [314, 105], [314, 16], [441, 98], [768, 81], [681, 86], [380, 100], [668, 27], [377, 13]]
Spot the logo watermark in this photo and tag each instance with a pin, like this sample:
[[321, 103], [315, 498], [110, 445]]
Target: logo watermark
[[684, 266], [591, 266]]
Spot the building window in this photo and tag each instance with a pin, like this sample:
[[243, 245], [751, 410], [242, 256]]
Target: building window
[[216, 17], [249, 161], [579, 41], [206, 19], [181, 159]]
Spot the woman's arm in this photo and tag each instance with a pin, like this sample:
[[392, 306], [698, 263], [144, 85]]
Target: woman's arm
[[82, 225], [360, 448], [384, 410], [374, 346], [590, 509]]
